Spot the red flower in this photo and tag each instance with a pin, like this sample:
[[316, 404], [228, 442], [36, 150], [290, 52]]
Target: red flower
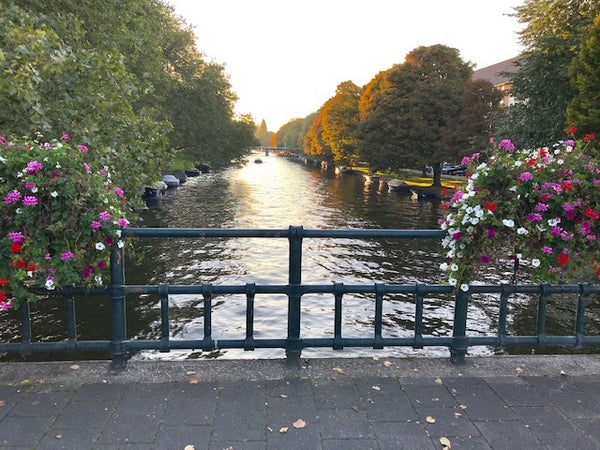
[[491, 206], [15, 248], [19, 264], [3, 281], [2, 297], [530, 161], [571, 130], [31, 267], [598, 271], [562, 260], [589, 137], [567, 185], [590, 213]]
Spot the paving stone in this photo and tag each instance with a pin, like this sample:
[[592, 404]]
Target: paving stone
[[238, 445], [104, 391], [403, 435], [41, 403], [345, 424], [179, 436], [577, 405], [429, 394], [296, 387], [82, 438], [130, 429], [85, 414], [240, 425], [22, 432], [448, 422], [338, 394], [508, 435], [544, 419], [350, 444]]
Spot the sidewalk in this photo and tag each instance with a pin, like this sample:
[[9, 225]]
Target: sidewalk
[[500, 402]]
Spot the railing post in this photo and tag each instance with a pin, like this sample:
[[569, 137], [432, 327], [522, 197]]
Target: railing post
[[458, 349], [293, 346], [118, 318]]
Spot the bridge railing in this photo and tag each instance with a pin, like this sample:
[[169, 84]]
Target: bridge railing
[[458, 343]]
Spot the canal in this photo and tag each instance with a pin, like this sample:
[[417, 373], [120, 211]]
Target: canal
[[275, 194]]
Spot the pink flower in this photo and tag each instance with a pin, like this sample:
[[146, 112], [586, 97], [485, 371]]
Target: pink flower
[[88, 169], [547, 250], [534, 217], [485, 259], [16, 237], [507, 145], [33, 167], [122, 222], [67, 255], [95, 225], [541, 207], [526, 176], [119, 192], [105, 216], [30, 200], [491, 232], [64, 137], [83, 149], [12, 197]]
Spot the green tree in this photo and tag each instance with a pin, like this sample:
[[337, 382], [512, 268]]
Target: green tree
[[584, 110], [339, 118], [411, 116], [292, 134], [552, 37]]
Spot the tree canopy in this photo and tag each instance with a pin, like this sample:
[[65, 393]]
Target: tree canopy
[[123, 77]]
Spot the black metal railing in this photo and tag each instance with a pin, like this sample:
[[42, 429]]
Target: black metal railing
[[293, 343]]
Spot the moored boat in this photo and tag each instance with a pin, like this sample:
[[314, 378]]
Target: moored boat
[[171, 181], [396, 185]]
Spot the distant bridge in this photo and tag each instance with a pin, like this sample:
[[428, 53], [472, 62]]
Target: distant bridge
[[279, 150]]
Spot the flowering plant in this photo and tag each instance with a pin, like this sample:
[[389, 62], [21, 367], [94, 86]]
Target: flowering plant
[[59, 218], [535, 209]]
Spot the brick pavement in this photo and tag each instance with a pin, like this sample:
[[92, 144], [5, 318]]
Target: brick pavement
[[532, 402]]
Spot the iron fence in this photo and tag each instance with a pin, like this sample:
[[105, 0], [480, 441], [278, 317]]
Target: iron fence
[[458, 343]]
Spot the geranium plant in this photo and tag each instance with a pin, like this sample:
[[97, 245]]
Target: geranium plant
[[537, 210], [60, 218]]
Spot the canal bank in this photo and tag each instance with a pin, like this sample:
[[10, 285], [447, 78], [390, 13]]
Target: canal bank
[[343, 403]]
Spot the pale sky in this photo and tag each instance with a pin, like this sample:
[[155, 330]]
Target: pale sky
[[285, 59]]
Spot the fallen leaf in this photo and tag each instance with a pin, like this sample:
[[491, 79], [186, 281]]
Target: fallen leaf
[[269, 429], [283, 430], [338, 369], [457, 415], [189, 447], [429, 419], [58, 436], [299, 423], [194, 380], [283, 396], [435, 399], [354, 408], [1, 403], [563, 373], [190, 372], [439, 381], [74, 367], [375, 358], [461, 406], [388, 363], [518, 369], [25, 382], [445, 442], [376, 388]]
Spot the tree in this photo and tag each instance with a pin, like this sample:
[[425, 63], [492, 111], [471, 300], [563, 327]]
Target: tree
[[584, 109], [339, 118], [292, 134], [412, 110], [263, 135], [552, 36], [314, 144]]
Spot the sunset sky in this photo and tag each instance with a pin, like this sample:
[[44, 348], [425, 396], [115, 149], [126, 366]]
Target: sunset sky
[[285, 59]]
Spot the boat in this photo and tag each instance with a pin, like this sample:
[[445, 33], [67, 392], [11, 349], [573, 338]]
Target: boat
[[180, 175], [193, 172], [171, 181], [371, 178], [258, 160], [204, 168], [396, 185], [154, 191], [340, 170]]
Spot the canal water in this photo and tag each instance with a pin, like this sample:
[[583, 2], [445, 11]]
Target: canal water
[[275, 194]]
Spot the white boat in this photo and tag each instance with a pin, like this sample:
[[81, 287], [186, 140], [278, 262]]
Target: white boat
[[340, 170], [171, 181], [396, 185]]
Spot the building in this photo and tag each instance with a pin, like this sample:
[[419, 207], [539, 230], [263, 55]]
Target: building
[[497, 74]]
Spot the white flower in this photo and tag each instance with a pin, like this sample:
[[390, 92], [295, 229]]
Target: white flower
[[464, 287], [508, 223], [443, 266], [554, 222], [120, 244], [474, 220], [522, 231], [53, 194], [560, 162], [50, 285], [513, 188], [98, 280], [535, 262], [454, 267], [34, 189], [452, 281], [118, 233], [100, 246]]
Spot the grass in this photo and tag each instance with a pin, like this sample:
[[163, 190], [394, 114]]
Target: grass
[[416, 179]]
